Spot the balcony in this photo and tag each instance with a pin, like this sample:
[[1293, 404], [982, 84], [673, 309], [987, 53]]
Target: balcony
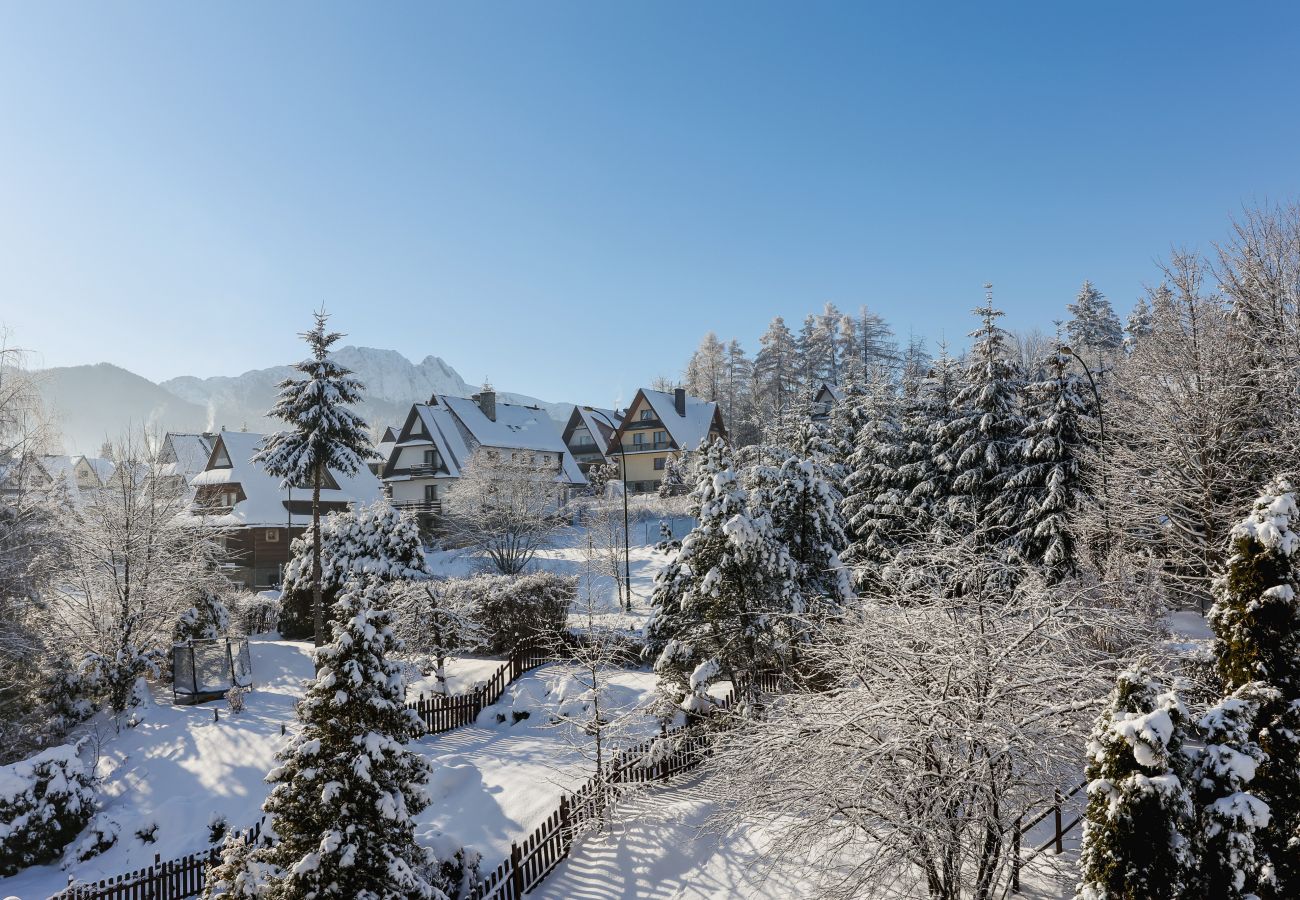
[[647, 446], [425, 507], [420, 471]]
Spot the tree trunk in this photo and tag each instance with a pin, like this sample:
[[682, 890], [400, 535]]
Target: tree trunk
[[317, 600]]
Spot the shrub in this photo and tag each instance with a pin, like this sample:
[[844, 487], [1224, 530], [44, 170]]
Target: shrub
[[101, 834], [44, 802], [511, 611]]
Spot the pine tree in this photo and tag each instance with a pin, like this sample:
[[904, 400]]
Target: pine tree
[[982, 442], [1141, 322], [324, 435], [347, 786], [870, 507], [1139, 807], [775, 372], [1230, 863], [925, 431], [1043, 496], [1093, 325], [1256, 622], [376, 541], [725, 596]]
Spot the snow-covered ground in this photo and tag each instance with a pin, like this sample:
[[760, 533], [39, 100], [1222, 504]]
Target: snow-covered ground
[[493, 782]]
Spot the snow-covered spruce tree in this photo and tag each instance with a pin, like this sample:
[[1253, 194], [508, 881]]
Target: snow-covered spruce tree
[[870, 507], [728, 593], [804, 507], [207, 619], [323, 435], [376, 540], [846, 419], [346, 788], [982, 442], [923, 430], [1093, 327], [1230, 863], [1041, 498], [1137, 824], [1139, 324], [1256, 622]]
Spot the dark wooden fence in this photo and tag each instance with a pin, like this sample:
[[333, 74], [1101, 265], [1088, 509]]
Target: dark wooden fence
[[173, 879], [1056, 842], [657, 759], [443, 713]]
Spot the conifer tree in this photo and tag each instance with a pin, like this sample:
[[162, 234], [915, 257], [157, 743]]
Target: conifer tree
[[1230, 862], [207, 619], [1093, 325], [869, 489], [323, 435], [775, 371], [347, 787], [1256, 622], [1140, 325], [725, 596], [924, 432], [982, 442], [1139, 812], [1042, 497]]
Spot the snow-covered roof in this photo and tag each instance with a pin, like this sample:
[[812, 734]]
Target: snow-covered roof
[[104, 468], [598, 421], [264, 503], [828, 390], [687, 431], [191, 452]]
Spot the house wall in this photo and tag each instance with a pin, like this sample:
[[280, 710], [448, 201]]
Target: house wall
[[641, 472], [255, 557]]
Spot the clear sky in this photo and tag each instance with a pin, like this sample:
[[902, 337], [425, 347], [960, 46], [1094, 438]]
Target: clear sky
[[564, 196]]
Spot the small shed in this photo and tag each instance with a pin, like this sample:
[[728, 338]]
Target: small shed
[[204, 670]]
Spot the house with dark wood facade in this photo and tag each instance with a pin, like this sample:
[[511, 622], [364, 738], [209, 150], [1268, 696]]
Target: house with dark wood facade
[[257, 516], [589, 435]]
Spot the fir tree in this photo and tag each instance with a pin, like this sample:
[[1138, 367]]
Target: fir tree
[[982, 442], [924, 432], [726, 595], [775, 371], [1139, 808], [347, 787], [1093, 325], [1256, 622], [207, 619], [1043, 496], [1230, 863], [324, 435], [1140, 325], [376, 541], [869, 506]]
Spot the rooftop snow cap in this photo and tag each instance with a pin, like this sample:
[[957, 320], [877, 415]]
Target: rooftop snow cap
[[679, 401], [487, 401]]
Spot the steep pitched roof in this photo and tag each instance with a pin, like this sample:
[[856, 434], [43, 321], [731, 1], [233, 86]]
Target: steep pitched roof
[[265, 499], [688, 430], [601, 423], [190, 452]]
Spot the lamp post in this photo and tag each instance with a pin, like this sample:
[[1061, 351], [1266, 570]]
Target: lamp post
[[627, 553], [1101, 443]]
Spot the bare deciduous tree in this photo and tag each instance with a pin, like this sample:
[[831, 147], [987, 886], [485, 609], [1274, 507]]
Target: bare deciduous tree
[[504, 505]]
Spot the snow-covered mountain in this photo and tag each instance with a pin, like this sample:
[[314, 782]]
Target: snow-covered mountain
[[91, 403]]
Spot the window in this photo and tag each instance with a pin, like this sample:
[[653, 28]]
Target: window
[[546, 458], [431, 458], [659, 463], [647, 415], [639, 438], [430, 493], [272, 535], [584, 439], [661, 439]]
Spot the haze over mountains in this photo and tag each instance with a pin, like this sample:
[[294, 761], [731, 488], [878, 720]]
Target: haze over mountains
[[97, 402]]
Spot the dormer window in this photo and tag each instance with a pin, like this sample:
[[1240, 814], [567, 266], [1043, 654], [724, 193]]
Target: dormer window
[[647, 415]]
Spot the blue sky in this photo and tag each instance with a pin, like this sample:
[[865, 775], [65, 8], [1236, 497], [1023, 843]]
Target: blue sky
[[563, 197]]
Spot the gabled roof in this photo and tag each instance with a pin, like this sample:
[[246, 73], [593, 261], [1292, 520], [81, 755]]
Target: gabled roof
[[686, 431], [601, 423], [457, 426], [264, 503], [828, 393], [191, 453], [103, 468]]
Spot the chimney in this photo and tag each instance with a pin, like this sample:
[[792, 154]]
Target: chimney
[[487, 401], [679, 401]]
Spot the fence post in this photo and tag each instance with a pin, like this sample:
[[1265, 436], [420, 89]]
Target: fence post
[[516, 872], [1060, 847], [663, 748], [566, 837], [1015, 859]]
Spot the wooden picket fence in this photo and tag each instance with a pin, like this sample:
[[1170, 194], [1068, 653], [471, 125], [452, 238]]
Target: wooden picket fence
[[173, 879], [671, 753], [443, 713]]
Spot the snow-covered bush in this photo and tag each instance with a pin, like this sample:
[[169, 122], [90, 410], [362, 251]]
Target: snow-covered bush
[[45, 801], [235, 698], [100, 835], [375, 541], [207, 619], [512, 611], [238, 876], [1139, 814]]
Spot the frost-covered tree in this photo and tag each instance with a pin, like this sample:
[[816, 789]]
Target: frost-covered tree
[[1230, 862], [504, 505], [376, 540], [738, 401], [1136, 843], [1093, 326], [324, 435], [1139, 324], [727, 595], [804, 507], [45, 802], [346, 787], [870, 508], [1256, 622], [1041, 499], [981, 450], [433, 624], [776, 373], [924, 431], [707, 369]]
